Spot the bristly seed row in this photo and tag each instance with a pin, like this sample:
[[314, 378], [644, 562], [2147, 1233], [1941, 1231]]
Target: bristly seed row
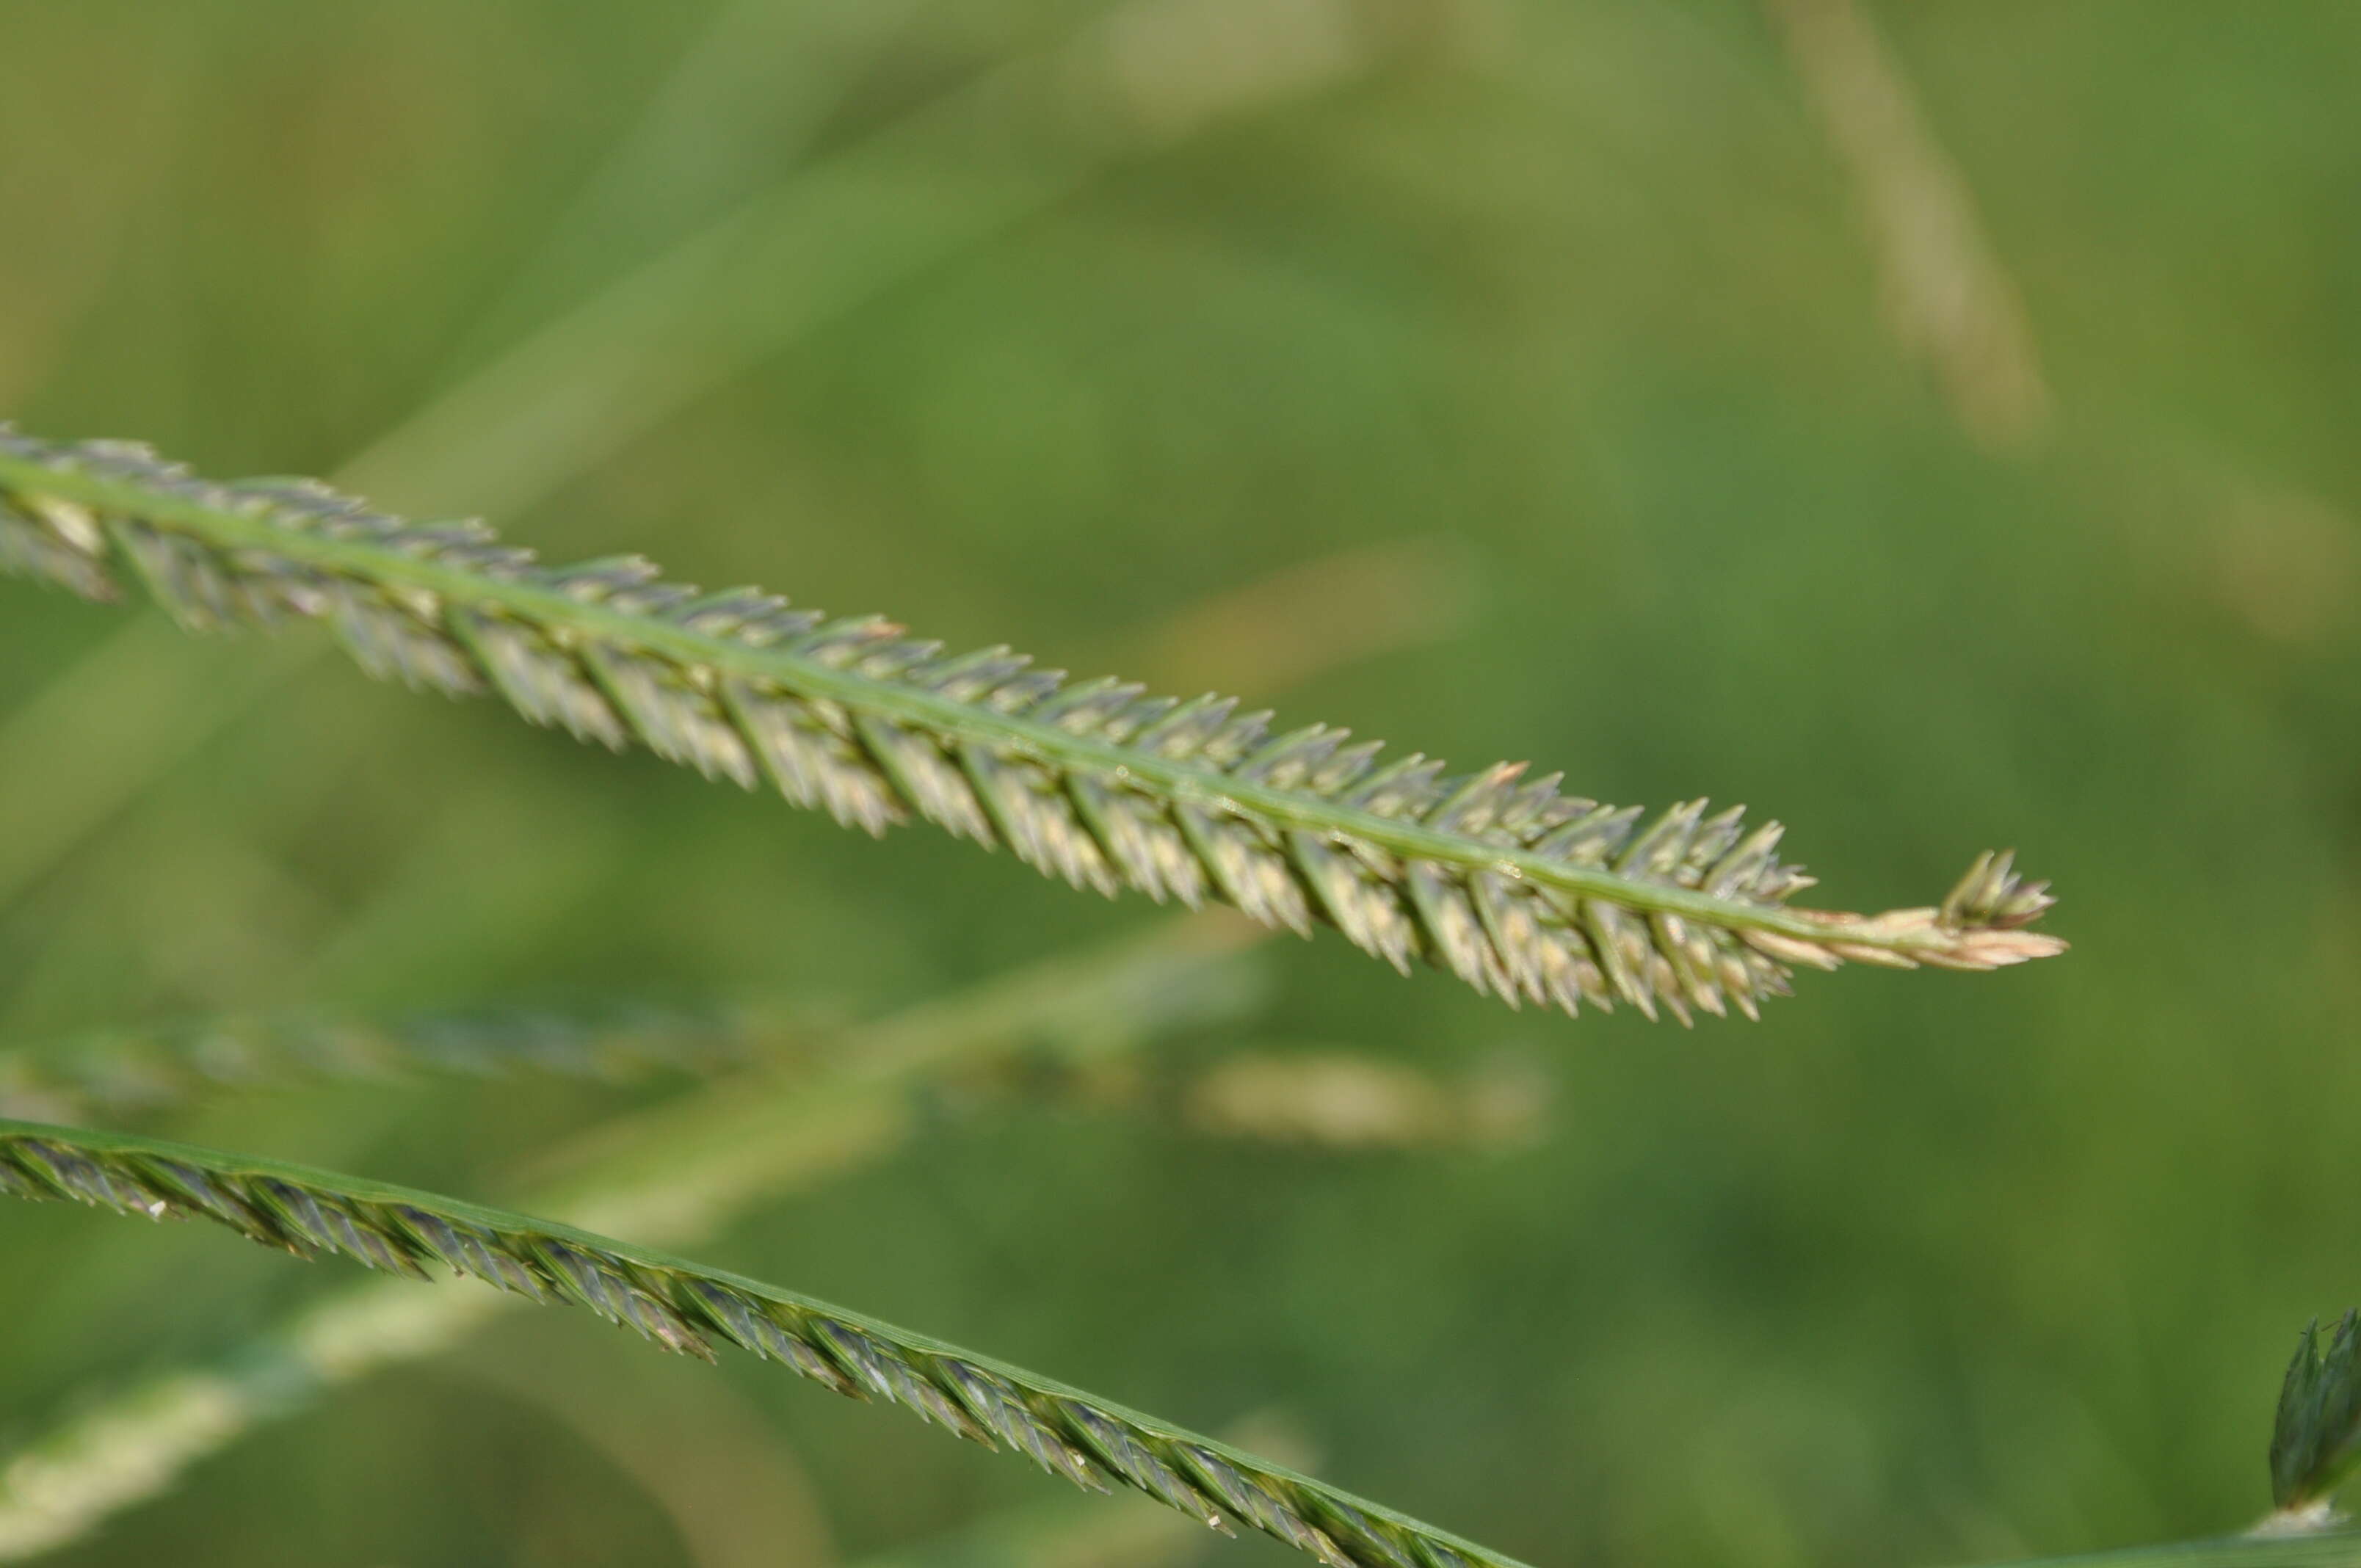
[[1521, 892], [689, 1310]]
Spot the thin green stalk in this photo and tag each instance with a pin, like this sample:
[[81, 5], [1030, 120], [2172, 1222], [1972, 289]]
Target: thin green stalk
[[129, 1071], [1521, 891], [691, 1308], [2332, 1549], [675, 1176]]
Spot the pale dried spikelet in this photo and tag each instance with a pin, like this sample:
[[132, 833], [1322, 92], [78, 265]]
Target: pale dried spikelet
[[687, 1309], [1339, 1100], [1521, 892]]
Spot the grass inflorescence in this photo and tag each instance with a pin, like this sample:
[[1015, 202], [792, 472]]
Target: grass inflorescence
[[675, 1175], [1522, 891], [689, 1309]]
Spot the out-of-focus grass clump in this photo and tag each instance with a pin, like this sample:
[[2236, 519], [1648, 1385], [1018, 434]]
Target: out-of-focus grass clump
[[1612, 383]]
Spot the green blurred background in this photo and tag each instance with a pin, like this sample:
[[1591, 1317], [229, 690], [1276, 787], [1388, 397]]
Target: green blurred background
[[1938, 436]]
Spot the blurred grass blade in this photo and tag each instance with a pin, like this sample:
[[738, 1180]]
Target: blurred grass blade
[[940, 180], [90, 741], [1068, 1535], [1521, 892], [1318, 615], [2338, 1549], [675, 1176], [733, 1488], [690, 1308], [121, 1071], [749, 92], [1947, 297]]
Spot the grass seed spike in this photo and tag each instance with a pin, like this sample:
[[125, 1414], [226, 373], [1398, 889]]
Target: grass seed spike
[[1523, 893], [692, 1310]]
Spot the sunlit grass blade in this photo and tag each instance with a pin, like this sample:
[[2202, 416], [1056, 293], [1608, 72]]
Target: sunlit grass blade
[[1520, 891], [688, 1308]]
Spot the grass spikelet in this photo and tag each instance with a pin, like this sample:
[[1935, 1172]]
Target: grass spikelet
[[2316, 1435], [1523, 893], [692, 1310]]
